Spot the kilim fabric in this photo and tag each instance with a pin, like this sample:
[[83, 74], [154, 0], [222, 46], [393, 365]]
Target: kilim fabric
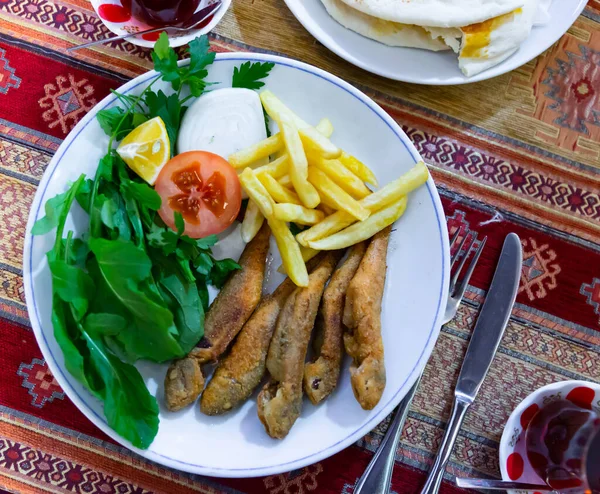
[[520, 153]]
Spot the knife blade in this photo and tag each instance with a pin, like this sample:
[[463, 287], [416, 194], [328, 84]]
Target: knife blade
[[492, 320]]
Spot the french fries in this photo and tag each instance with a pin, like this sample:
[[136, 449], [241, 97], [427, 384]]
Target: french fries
[[286, 243], [362, 230], [310, 181], [335, 196], [298, 162], [260, 150], [341, 176], [310, 136], [253, 220], [392, 192], [277, 191], [289, 249], [272, 146], [307, 255], [359, 169], [286, 181], [277, 168], [257, 192], [297, 214]]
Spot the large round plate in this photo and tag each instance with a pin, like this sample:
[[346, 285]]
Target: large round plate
[[422, 66], [236, 445]]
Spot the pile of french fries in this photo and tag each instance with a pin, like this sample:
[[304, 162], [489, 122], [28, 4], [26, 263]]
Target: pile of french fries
[[310, 181]]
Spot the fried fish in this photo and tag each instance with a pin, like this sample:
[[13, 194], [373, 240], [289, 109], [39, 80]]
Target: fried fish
[[280, 401], [362, 318], [321, 375], [242, 369], [226, 316]]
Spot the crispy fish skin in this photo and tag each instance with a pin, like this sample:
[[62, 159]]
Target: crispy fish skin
[[321, 375], [280, 401], [362, 318], [227, 314], [241, 371]]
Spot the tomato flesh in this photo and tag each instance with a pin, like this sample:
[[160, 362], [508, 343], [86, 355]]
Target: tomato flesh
[[204, 188], [195, 191]]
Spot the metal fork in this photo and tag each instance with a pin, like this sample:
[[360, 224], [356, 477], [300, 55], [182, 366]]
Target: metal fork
[[378, 475]]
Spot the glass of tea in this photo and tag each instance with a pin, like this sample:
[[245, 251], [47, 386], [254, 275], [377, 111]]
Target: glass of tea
[[159, 13], [562, 441]]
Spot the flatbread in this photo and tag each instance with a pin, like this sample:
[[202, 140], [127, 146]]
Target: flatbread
[[489, 43], [435, 13], [392, 33]]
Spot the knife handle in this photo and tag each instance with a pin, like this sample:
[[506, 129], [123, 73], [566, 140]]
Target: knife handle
[[436, 475]]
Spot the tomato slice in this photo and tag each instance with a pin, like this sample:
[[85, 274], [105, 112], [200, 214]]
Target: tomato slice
[[204, 188]]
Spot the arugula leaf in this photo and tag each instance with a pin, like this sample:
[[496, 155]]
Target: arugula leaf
[[124, 270], [128, 406], [221, 270], [83, 194], [145, 195], [74, 349], [179, 223], [72, 285], [249, 75], [123, 266], [76, 251], [104, 323], [203, 294], [113, 213], [184, 302], [56, 209]]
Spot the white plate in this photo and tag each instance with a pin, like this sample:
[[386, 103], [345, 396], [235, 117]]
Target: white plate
[[236, 445], [422, 66]]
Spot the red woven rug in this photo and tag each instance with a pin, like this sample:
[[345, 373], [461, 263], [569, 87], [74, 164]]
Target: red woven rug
[[517, 153]]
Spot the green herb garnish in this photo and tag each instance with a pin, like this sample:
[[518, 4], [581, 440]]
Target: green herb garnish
[[132, 288]]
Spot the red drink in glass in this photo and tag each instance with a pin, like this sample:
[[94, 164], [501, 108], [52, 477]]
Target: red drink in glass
[[159, 13], [563, 446]]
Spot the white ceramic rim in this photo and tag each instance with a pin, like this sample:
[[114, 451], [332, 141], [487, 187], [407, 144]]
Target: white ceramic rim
[[504, 447], [174, 42], [374, 420], [509, 64]]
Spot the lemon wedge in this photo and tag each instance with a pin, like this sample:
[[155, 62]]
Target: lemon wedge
[[146, 149]]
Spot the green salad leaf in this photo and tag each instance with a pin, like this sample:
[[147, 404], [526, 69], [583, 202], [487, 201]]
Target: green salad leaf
[[132, 288]]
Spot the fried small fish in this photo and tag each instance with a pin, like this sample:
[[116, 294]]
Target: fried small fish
[[280, 401], [226, 316], [362, 318], [321, 375], [242, 369]]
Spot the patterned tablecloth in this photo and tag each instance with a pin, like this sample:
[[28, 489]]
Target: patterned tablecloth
[[517, 153]]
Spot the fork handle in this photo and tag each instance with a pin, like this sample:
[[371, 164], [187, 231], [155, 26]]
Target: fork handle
[[378, 475], [436, 475]]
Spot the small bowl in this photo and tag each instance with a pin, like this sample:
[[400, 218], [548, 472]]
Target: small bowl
[[120, 21], [514, 464]]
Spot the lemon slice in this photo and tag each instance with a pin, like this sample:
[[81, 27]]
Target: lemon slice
[[146, 149]]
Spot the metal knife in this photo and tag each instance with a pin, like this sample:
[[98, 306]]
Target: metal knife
[[487, 334]]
